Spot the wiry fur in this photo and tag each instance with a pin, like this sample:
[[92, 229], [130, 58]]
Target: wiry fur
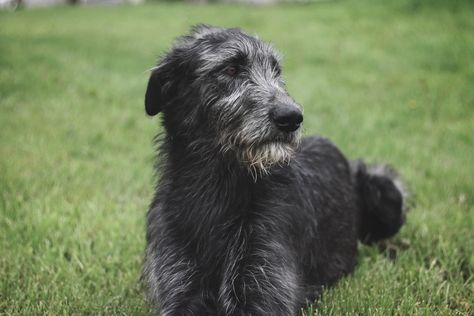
[[247, 219]]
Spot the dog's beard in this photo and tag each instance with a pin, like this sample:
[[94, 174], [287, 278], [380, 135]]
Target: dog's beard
[[258, 150], [261, 157]]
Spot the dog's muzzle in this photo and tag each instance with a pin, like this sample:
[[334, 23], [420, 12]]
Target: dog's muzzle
[[287, 117]]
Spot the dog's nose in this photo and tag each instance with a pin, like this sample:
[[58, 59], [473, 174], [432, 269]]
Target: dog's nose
[[287, 118]]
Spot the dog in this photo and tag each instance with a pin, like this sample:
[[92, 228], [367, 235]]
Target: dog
[[249, 217]]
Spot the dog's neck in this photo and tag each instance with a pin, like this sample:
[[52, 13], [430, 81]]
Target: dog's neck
[[215, 182], [202, 186]]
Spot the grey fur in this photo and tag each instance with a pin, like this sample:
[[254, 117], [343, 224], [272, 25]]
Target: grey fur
[[249, 218]]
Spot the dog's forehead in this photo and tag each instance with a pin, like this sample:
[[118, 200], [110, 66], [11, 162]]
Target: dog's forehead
[[223, 44]]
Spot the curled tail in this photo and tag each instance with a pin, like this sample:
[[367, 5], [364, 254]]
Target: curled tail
[[382, 201]]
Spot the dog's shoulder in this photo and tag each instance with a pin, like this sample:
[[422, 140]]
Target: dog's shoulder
[[320, 148]]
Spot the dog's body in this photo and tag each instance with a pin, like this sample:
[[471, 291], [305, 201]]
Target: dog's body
[[247, 218]]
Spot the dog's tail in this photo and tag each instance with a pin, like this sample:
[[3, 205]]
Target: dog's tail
[[382, 200]]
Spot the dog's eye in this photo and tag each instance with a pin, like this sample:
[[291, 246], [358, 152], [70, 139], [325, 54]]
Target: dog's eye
[[231, 70]]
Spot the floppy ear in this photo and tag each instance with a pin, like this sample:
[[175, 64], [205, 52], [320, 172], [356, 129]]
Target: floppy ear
[[161, 84], [164, 79], [153, 96]]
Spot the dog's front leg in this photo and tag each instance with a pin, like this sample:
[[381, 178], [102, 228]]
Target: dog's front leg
[[259, 281], [173, 282]]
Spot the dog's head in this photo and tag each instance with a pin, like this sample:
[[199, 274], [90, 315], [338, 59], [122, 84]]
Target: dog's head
[[225, 87]]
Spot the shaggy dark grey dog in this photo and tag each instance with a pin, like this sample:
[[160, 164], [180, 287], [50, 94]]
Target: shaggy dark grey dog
[[248, 217]]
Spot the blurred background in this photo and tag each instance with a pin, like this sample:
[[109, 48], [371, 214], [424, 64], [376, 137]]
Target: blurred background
[[385, 80]]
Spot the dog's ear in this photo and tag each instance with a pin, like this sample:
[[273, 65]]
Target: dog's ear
[[153, 95], [165, 77], [163, 80]]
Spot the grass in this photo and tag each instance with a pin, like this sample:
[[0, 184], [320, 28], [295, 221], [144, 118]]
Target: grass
[[389, 82]]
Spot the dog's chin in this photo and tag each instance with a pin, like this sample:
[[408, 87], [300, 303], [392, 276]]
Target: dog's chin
[[261, 157]]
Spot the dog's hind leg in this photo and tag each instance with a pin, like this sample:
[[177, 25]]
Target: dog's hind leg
[[382, 200]]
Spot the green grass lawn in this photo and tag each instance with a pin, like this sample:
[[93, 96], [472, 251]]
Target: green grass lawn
[[390, 82]]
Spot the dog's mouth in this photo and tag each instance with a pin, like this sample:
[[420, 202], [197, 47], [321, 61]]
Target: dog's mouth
[[292, 138], [279, 141], [261, 156]]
